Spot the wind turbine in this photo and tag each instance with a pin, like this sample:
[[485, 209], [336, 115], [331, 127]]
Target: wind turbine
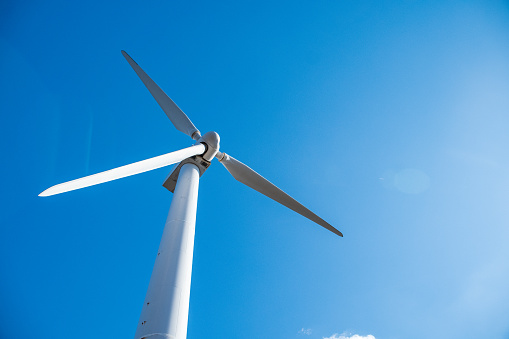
[[165, 309]]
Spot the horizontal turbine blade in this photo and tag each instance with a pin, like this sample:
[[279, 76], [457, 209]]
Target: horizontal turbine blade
[[249, 177], [177, 117], [125, 171]]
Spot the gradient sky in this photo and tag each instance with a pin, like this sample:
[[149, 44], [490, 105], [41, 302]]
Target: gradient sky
[[389, 119]]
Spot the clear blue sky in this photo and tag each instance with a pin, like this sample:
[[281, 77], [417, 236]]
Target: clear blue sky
[[390, 119]]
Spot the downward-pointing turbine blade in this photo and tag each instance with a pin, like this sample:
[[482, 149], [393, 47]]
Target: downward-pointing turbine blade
[[177, 117], [249, 177], [125, 171]]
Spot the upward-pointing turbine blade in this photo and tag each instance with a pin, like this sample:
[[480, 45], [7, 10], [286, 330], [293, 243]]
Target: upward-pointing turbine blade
[[249, 177], [177, 117], [125, 171]]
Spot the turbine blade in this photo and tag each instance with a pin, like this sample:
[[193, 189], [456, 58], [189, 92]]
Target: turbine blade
[[177, 117], [125, 171], [250, 178]]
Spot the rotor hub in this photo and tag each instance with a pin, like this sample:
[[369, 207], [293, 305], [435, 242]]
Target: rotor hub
[[211, 141]]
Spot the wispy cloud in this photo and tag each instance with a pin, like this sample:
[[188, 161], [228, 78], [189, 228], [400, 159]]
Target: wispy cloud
[[347, 336], [306, 331]]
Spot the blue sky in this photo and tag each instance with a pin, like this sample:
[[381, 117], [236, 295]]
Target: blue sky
[[389, 119]]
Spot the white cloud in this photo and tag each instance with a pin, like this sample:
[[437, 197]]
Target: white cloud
[[345, 336], [306, 331]]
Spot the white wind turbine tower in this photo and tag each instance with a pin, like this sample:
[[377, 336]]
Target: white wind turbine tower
[[165, 309]]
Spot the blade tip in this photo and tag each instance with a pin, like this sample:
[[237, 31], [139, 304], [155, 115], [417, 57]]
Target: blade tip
[[50, 191], [337, 232], [124, 53]]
